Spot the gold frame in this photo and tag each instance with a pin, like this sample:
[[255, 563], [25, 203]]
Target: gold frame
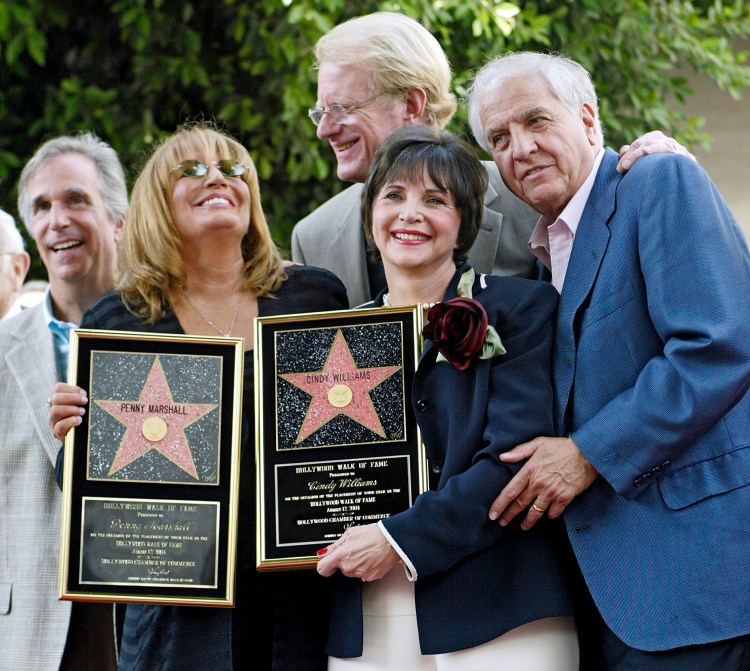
[[370, 451], [160, 527]]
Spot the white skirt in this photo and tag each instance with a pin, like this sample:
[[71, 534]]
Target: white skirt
[[391, 641]]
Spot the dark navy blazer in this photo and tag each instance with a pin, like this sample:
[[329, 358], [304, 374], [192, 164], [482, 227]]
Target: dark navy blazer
[[652, 369], [476, 580]]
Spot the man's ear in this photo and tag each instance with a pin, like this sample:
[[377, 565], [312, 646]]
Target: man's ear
[[21, 263], [119, 228], [416, 101], [588, 116]]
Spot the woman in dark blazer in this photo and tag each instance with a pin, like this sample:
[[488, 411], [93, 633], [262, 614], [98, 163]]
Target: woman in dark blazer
[[198, 258], [441, 586]]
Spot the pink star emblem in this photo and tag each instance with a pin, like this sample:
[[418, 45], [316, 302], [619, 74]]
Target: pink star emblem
[[155, 422], [340, 388]]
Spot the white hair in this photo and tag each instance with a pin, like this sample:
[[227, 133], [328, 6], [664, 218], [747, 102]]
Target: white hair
[[568, 81], [399, 53], [11, 241], [111, 175]]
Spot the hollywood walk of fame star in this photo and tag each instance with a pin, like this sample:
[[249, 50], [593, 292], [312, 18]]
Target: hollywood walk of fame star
[[340, 388], [155, 422]]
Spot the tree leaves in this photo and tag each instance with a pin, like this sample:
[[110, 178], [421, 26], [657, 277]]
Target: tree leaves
[[132, 70]]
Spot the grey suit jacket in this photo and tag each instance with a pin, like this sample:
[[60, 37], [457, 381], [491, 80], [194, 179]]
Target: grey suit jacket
[[33, 623], [332, 237]]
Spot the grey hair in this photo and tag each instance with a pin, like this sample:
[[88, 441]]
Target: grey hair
[[400, 54], [10, 237], [11, 241], [568, 81], [112, 185]]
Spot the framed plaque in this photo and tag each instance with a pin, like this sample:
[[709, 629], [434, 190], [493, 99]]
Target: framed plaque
[[150, 479], [337, 441]]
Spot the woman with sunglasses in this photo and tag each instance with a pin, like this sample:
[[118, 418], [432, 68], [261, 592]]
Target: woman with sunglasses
[[197, 258], [441, 587]]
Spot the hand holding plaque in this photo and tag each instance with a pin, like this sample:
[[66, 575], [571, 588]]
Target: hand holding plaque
[[337, 441], [150, 477]]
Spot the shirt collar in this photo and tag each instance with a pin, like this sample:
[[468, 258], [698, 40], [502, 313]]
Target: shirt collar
[[53, 322], [570, 216]]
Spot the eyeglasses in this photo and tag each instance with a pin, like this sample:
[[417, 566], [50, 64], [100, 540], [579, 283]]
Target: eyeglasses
[[337, 111], [192, 167]]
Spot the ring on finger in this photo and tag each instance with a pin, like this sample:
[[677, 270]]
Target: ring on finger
[[538, 509], [49, 402]]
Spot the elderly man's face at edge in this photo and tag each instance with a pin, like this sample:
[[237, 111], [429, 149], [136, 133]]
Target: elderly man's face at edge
[[544, 151], [13, 267]]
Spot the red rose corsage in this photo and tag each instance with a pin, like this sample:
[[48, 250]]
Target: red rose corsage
[[460, 332]]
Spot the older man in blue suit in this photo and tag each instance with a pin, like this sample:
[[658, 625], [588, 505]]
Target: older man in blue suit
[[377, 73], [652, 370]]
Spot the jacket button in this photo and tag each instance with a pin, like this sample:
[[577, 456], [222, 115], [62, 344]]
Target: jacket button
[[422, 405], [436, 467]]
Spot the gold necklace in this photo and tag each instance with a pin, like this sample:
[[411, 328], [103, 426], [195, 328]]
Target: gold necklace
[[209, 322]]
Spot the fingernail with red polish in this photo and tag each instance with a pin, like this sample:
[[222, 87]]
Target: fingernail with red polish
[[321, 552]]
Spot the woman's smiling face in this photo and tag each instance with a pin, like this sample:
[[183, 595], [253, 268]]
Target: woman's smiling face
[[210, 204], [415, 224]]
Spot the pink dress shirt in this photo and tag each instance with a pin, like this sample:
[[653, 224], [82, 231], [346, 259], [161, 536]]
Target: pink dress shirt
[[552, 243]]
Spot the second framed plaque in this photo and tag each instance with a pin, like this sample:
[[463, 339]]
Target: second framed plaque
[[337, 441]]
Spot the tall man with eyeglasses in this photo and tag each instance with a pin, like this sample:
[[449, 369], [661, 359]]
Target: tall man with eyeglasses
[[377, 73], [72, 198]]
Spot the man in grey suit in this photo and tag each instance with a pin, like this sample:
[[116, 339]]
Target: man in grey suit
[[377, 73], [72, 198]]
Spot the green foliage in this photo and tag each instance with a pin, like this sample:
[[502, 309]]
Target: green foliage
[[132, 70]]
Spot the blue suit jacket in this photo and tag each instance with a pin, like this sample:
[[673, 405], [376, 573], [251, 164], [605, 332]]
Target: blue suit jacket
[[652, 368], [476, 580]]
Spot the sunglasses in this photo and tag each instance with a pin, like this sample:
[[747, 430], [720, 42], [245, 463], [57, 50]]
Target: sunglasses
[[192, 167]]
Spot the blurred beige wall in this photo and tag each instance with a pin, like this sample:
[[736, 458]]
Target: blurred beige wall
[[728, 160]]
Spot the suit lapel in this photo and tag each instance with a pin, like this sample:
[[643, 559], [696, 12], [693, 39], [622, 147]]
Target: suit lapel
[[591, 240], [483, 252], [542, 272], [31, 361], [352, 237]]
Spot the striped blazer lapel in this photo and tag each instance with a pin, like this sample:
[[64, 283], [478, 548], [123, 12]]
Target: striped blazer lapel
[[31, 361]]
